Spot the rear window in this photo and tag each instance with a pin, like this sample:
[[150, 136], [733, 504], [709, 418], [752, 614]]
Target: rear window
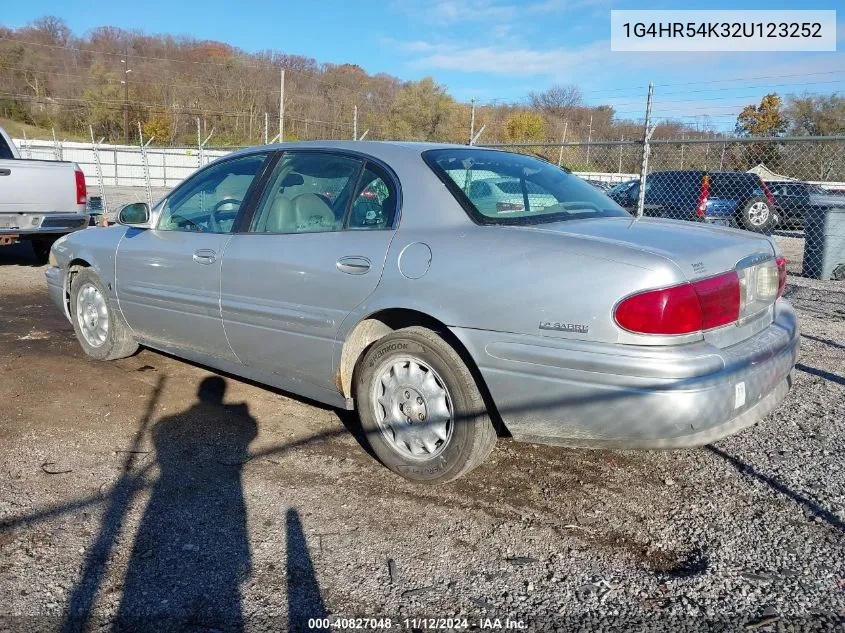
[[728, 185], [530, 190]]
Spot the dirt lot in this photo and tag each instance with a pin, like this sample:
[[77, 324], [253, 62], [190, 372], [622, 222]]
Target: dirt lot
[[130, 492]]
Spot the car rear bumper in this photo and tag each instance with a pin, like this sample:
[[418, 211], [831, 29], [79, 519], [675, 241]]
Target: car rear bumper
[[35, 224], [574, 393]]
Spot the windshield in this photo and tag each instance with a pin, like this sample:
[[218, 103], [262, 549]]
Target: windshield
[[527, 191]]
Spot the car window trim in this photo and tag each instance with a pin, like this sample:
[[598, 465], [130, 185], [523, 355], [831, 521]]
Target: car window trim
[[243, 228], [248, 198]]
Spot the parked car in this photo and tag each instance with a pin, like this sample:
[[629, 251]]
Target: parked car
[[40, 200], [437, 317], [793, 198], [738, 199]]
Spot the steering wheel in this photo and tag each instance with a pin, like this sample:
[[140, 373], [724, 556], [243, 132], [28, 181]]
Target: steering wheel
[[176, 217], [213, 220]]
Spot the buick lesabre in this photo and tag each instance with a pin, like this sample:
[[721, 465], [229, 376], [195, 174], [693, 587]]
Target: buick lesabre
[[385, 277]]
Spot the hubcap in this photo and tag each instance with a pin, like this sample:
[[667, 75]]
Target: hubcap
[[758, 213], [413, 408], [92, 315]]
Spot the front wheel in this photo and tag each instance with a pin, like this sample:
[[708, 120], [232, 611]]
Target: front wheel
[[100, 329], [420, 407], [757, 216]]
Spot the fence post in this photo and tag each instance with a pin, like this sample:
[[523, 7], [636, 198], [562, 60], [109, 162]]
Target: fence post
[[472, 121], [647, 132], [27, 148], [589, 140], [354, 123], [621, 145], [266, 131], [560, 154], [102, 185], [146, 164], [57, 148]]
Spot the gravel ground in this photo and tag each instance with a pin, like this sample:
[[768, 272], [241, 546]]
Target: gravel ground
[[138, 490]]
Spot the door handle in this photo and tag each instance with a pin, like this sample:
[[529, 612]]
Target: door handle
[[353, 265], [205, 256], [5, 172]]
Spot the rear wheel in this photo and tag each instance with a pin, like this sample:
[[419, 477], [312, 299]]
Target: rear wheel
[[757, 215], [420, 408], [100, 329]]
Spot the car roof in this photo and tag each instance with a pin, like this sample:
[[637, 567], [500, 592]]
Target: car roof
[[384, 150]]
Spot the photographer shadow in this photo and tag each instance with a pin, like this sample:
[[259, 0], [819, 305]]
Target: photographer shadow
[[191, 552]]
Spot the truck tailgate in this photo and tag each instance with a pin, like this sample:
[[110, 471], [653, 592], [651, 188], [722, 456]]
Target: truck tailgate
[[38, 186]]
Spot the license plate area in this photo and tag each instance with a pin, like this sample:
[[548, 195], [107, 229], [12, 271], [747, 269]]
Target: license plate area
[[9, 222]]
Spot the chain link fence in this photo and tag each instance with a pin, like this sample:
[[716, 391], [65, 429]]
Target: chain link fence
[[790, 188]]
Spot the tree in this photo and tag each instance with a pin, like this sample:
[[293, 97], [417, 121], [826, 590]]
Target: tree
[[525, 126], [763, 120], [557, 100], [422, 110], [816, 115]]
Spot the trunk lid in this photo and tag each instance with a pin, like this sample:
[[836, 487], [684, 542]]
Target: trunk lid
[[699, 250]]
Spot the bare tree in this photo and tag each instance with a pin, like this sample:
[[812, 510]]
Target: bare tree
[[557, 101]]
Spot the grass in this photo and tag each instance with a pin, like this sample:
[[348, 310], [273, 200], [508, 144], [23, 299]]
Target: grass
[[16, 129]]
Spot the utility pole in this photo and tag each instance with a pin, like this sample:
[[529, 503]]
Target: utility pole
[[648, 130], [125, 82], [282, 106], [472, 121]]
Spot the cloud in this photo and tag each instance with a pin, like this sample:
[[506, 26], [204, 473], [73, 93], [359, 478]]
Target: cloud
[[512, 61], [449, 12]]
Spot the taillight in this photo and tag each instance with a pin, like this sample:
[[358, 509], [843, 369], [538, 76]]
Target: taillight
[[703, 196], [719, 297], [81, 190], [505, 207], [682, 309], [781, 262], [768, 193]]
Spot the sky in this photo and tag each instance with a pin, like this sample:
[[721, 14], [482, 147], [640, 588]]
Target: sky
[[490, 50]]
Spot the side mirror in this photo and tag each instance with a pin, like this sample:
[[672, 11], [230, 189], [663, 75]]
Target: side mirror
[[136, 214]]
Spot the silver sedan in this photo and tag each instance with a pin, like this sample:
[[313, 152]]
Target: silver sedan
[[366, 275]]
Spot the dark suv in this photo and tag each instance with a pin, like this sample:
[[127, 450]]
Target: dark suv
[[723, 197], [793, 198]]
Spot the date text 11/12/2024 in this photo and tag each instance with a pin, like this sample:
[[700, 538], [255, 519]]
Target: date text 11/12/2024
[[448, 624]]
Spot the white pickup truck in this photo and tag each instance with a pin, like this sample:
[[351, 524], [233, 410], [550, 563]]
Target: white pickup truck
[[40, 200]]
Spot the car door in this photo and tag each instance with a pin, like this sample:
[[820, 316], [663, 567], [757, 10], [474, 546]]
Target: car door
[[313, 250], [168, 277]]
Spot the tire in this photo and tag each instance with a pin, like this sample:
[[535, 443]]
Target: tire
[[101, 338], [757, 215], [41, 250], [415, 373]]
